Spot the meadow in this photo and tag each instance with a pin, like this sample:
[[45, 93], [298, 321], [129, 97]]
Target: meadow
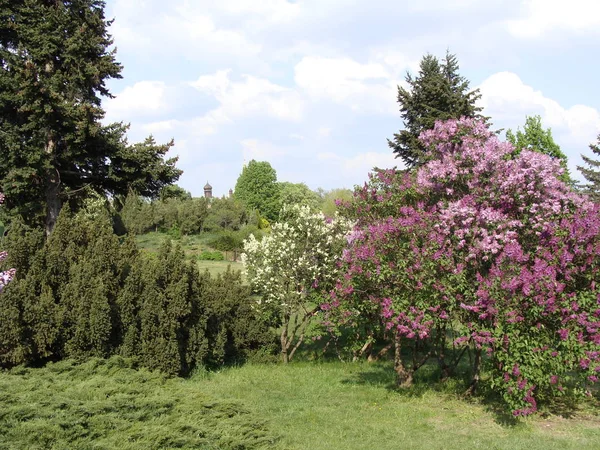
[[192, 246], [105, 404]]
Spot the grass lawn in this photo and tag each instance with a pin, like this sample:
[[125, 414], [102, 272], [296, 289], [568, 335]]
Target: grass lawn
[[300, 406], [192, 246]]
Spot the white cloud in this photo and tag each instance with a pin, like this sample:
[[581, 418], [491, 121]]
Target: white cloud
[[143, 98], [361, 164], [185, 27], [363, 87], [324, 132], [260, 150], [507, 99], [545, 16], [252, 95], [269, 10]]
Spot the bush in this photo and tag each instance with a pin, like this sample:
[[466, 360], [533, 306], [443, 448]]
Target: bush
[[84, 292], [211, 256]]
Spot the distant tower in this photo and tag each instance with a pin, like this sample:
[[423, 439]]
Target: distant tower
[[207, 191], [230, 193]]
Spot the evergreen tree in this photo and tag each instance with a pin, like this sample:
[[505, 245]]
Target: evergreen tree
[[534, 137], [592, 172], [438, 92], [55, 60]]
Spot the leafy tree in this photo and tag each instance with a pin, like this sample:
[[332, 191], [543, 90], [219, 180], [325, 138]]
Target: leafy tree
[[495, 252], [293, 266], [438, 92], [55, 60], [535, 138], [331, 199], [225, 214], [257, 188], [592, 172], [298, 194], [174, 191]]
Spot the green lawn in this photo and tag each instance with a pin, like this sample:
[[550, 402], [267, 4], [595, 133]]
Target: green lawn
[[192, 246], [301, 406]]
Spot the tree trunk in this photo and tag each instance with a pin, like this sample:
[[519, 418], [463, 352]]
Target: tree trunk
[[476, 369], [403, 377], [284, 340], [53, 202]]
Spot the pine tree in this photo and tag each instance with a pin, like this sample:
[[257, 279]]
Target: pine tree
[[55, 60], [438, 92], [592, 172]]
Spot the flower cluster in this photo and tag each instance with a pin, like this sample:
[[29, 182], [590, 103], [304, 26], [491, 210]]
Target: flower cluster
[[496, 245], [298, 256]]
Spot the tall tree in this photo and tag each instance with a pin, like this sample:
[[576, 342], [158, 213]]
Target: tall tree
[[438, 92], [592, 172], [534, 137], [257, 188], [55, 59]]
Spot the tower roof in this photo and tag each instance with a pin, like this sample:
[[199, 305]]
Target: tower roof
[[208, 186]]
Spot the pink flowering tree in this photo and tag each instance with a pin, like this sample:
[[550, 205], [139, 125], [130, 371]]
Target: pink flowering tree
[[479, 250], [7, 275]]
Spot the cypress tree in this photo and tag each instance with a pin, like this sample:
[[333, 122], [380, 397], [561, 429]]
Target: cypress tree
[[165, 311], [438, 92]]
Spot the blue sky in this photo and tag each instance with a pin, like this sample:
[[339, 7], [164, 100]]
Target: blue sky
[[311, 85]]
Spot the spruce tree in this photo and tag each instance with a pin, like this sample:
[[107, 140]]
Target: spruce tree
[[438, 92], [55, 60], [592, 172]]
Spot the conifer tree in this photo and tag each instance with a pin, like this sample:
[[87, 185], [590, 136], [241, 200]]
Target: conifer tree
[[55, 60], [438, 92], [592, 172]]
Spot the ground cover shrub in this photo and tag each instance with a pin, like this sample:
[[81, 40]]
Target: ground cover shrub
[[112, 404], [477, 248]]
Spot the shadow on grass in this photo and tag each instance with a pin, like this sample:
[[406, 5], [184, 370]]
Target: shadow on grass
[[427, 380]]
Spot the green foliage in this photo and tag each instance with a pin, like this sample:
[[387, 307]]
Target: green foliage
[[57, 59], [257, 188], [592, 172], [226, 214], [110, 404], [85, 293], [179, 215], [330, 199], [298, 194], [211, 256], [535, 138], [438, 92]]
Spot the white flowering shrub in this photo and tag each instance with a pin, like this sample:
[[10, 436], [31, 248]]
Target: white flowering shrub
[[295, 263]]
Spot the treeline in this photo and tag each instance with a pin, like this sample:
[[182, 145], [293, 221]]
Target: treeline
[[86, 292], [182, 214]]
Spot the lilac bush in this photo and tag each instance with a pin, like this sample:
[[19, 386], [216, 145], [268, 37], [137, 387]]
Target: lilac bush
[[491, 251]]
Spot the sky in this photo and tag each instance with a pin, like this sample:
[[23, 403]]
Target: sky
[[311, 85]]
